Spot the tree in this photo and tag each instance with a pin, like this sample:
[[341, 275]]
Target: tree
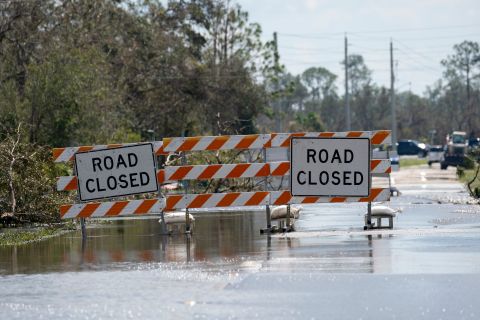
[[27, 182], [361, 89], [68, 100], [462, 63], [359, 74], [459, 72], [319, 81]]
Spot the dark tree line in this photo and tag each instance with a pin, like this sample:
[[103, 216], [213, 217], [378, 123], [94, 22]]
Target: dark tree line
[[96, 71], [76, 72], [451, 103]]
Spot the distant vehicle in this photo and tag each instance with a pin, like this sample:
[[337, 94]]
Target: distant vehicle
[[474, 143], [394, 159], [455, 151], [435, 154], [412, 147]]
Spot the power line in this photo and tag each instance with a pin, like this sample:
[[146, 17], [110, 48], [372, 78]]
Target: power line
[[305, 36], [458, 36], [312, 50], [411, 58], [412, 50], [334, 61], [357, 32], [421, 28], [369, 48]]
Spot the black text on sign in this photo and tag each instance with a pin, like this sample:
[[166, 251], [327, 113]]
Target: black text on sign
[[334, 167], [116, 172]]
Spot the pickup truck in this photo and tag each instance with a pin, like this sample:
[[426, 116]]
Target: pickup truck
[[435, 154]]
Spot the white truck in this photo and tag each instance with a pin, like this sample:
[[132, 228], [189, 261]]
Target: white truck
[[435, 154], [455, 150]]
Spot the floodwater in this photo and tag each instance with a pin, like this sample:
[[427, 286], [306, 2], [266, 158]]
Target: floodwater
[[428, 267]]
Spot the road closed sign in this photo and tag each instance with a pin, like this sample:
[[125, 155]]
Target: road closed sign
[[332, 167], [116, 172]]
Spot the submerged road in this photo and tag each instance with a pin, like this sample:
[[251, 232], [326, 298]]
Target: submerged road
[[427, 267]]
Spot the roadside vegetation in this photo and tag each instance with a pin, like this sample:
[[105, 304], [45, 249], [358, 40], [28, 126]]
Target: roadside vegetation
[[16, 237], [27, 182], [101, 71], [470, 173], [410, 162]]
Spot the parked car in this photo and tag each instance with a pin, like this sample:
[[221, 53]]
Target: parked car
[[435, 154], [474, 143], [412, 147]]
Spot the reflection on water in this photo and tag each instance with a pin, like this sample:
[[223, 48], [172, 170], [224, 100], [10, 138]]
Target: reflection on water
[[218, 238], [231, 242]]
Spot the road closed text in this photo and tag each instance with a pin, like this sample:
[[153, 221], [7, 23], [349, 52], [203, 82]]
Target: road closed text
[[323, 156], [330, 166], [116, 172], [115, 181]]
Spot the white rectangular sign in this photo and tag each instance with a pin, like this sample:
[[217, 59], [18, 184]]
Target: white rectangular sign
[[332, 167], [116, 172]]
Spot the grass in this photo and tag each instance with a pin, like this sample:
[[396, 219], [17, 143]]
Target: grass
[[467, 176], [20, 237], [409, 162]]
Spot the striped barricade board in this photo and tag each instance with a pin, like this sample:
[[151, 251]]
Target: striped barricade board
[[68, 153], [379, 167], [207, 200], [285, 197], [112, 208], [279, 166], [282, 140], [213, 143]]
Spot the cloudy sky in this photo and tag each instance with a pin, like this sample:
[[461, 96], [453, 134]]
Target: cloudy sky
[[311, 33]]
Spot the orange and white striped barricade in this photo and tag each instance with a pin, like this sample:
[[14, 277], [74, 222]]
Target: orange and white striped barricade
[[202, 172], [212, 143], [68, 153], [217, 200], [284, 197], [112, 208], [110, 151], [282, 140], [380, 167]]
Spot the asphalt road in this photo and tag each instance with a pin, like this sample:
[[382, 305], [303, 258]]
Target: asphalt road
[[427, 267]]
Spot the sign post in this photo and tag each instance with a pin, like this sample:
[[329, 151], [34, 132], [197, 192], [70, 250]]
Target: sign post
[[330, 167], [116, 172]]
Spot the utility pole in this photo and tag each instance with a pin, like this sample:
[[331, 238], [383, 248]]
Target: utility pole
[[392, 99], [347, 98], [276, 103]]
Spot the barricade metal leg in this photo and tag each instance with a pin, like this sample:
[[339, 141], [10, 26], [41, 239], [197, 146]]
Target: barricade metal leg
[[186, 185], [368, 217], [162, 213], [269, 217], [164, 225], [187, 221], [288, 218], [269, 247], [188, 247], [267, 207], [84, 228]]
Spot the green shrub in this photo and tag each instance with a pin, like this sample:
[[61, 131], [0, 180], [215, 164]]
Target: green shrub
[[468, 163], [28, 183]]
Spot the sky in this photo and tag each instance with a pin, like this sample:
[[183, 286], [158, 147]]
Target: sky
[[311, 33]]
